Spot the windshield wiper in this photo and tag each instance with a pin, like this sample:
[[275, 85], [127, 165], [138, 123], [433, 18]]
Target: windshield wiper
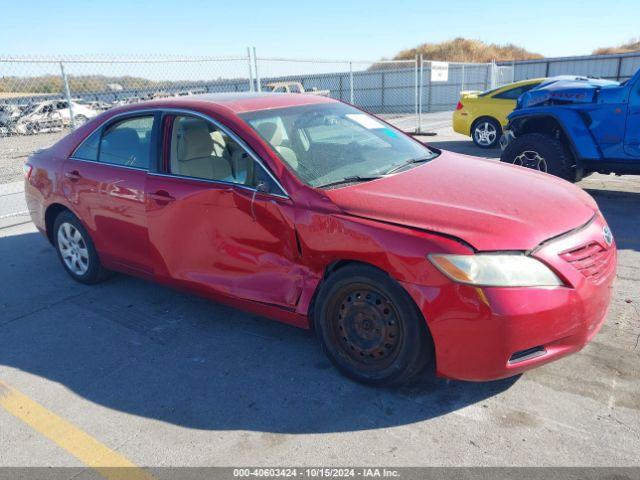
[[352, 179], [411, 161]]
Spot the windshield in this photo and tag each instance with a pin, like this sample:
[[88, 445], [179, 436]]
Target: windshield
[[327, 143]]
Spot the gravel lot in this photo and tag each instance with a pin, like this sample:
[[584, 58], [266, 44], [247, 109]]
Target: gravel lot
[[165, 378], [15, 150]]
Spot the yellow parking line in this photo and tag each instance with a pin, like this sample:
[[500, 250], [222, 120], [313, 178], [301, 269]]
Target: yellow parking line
[[81, 445]]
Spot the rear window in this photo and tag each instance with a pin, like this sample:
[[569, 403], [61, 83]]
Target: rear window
[[126, 143], [514, 93], [88, 150]]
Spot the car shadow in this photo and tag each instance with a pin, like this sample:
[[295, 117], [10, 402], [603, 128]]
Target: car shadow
[[465, 148], [143, 349], [619, 209]]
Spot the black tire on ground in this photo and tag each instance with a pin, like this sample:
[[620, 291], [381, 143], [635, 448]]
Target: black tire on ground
[[486, 125], [370, 328], [87, 267], [541, 151]]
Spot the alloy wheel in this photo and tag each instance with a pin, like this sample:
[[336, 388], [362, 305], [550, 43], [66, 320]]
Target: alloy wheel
[[73, 249], [485, 133]]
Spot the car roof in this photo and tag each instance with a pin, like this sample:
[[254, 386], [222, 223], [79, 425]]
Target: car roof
[[240, 102], [519, 83]]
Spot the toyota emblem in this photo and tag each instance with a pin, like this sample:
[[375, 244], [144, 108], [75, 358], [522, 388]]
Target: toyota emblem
[[607, 235]]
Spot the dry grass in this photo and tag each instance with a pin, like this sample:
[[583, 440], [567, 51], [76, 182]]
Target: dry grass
[[632, 45], [465, 50]]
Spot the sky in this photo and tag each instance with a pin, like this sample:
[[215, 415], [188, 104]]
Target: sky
[[326, 29]]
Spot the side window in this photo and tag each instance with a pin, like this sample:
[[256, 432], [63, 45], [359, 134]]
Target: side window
[[88, 150], [200, 150], [514, 93], [128, 143]]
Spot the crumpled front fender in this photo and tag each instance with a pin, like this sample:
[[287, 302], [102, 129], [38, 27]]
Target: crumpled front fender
[[583, 144]]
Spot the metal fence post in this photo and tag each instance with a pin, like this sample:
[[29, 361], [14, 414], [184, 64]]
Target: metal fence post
[[250, 69], [462, 86], [67, 94], [421, 76], [487, 79], [382, 91], [255, 64], [619, 68], [417, 93], [430, 98], [351, 83], [493, 74]]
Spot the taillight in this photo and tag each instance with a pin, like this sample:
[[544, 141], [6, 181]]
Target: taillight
[[459, 106], [27, 170]]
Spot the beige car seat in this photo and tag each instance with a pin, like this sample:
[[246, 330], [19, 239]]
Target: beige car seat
[[200, 153], [274, 135]]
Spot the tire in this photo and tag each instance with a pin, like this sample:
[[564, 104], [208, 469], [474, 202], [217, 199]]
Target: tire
[[76, 250], [370, 328], [542, 152], [486, 132]]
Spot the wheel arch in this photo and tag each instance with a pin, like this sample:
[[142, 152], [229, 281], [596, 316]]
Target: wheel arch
[[339, 264], [558, 125], [50, 215], [484, 117]]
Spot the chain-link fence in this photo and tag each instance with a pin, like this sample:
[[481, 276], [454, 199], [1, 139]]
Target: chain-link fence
[[440, 83], [385, 87], [620, 66], [41, 99]]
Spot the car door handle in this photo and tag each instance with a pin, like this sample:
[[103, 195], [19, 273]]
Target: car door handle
[[73, 175], [161, 197]]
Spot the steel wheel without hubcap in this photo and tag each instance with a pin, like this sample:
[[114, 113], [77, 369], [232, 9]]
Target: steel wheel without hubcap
[[365, 325], [369, 326], [531, 159], [73, 249], [485, 134]]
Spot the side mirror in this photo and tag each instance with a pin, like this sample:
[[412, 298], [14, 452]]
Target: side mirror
[[262, 187]]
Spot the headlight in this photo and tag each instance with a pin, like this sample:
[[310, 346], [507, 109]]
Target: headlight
[[496, 270]]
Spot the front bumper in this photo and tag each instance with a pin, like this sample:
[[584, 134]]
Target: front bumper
[[490, 333]]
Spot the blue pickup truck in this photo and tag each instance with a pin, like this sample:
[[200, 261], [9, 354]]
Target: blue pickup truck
[[573, 126]]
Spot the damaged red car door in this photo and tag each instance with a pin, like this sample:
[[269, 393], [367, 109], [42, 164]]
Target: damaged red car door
[[216, 217]]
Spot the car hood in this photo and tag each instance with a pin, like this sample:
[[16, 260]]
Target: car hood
[[565, 90], [488, 204]]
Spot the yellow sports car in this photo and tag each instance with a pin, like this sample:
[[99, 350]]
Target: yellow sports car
[[481, 115]]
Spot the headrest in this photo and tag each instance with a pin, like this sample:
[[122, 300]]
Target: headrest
[[218, 140], [196, 141], [271, 132]]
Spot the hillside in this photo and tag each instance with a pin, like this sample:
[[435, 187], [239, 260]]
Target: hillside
[[466, 50], [632, 45]]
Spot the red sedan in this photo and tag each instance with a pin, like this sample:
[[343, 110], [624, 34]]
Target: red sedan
[[315, 213]]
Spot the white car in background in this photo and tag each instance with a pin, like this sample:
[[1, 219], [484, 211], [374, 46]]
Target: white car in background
[[294, 87], [44, 115]]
